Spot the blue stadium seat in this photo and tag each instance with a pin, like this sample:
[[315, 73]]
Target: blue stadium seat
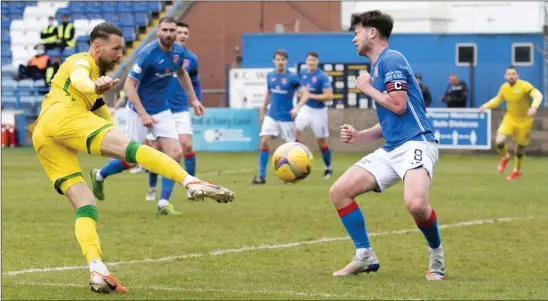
[[155, 6], [76, 16], [5, 24], [127, 22], [141, 6], [125, 7], [141, 18], [5, 4], [5, 11], [27, 103], [39, 84], [81, 47], [129, 35], [6, 50], [17, 16], [93, 16], [53, 52], [94, 7], [8, 83], [77, 7], [66, 53], [8, 103], [26, 83], [62, 11], [16, 8], [110, 6], [6, 60], [82, 39], [111, 17]]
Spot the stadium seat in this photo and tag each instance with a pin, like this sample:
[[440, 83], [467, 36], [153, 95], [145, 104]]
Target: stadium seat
[[6, 60], [32, 12], [8, 103], [110, 6], [141, 19], [18, 25], [8, 83], [94, 22], [18, 39], [39, 84], [141, 6], [129, 35], [111, 17], [5, 50], [155, 6], [127, 22], [77, 7], [54, 52], [125, 7], [26, 83], [94, 7], [27, 102]]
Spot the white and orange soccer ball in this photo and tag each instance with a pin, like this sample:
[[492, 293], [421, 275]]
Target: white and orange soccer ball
[[292, 162]]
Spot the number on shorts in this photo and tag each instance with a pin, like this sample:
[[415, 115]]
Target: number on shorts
[[418, 155]]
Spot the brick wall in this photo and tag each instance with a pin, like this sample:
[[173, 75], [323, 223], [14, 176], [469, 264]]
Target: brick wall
[[216, 29]]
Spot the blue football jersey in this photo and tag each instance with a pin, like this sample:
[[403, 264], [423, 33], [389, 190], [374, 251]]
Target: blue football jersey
[[315, 83], [391, 73], [154, 69], [178, 101], [282, 89]]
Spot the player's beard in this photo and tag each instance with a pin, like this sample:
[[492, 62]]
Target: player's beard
[[166, 42], [105, 66]]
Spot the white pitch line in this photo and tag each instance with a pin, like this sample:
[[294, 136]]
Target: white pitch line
[[224, 172], [268, 247], [194, 290]]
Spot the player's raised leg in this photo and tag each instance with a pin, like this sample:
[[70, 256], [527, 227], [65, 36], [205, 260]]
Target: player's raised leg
[[416, 197], [502, 149], [116, 144], [352, 183]]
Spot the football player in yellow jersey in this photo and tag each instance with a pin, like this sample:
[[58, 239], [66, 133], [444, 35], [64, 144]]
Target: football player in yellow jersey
[[518, 120], [75, 119]]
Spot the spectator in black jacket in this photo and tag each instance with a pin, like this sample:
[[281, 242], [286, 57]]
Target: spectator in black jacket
[[456, 93], [426, 95]]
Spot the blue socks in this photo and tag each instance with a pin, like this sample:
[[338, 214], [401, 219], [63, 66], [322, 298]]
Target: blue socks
[[152, 180], [326, 154], [263, 161], [190, 164], [352, 219], [167, 189], [113, 167], [430, 230]]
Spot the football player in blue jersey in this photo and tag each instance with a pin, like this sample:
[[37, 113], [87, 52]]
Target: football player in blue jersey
[[147, 90], [282, 85], [179, 105], [314, 113], [409, 153]]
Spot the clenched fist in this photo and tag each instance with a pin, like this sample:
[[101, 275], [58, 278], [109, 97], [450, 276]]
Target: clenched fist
[[364, 82], [348, 134], [105, 83]]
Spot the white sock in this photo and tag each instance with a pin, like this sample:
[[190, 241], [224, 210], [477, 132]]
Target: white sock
[[162, 203], [152, 189], [361, 253], [437, 250], [98, 176], [99, 267], [190, 179]]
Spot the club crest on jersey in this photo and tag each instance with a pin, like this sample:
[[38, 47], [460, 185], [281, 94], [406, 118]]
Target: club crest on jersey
[[186, 63], [284, 81], [175, 58]]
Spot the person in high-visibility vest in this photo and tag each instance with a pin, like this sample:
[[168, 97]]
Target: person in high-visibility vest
[[52, 70], [65, 33], [49, 34]]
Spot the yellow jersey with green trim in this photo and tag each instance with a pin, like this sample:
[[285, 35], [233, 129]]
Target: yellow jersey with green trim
[[518, 99], [63, 91]]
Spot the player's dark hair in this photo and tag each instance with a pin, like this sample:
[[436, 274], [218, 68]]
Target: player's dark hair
[[281, 52], [313, 54], [382, 22], [104, 30], [167, 20], [512, 67], [183, 24]]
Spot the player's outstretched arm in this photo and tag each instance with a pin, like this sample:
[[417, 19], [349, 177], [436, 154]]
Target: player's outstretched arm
[[186, 83], [493, 102], [304, 95], [262, 111]]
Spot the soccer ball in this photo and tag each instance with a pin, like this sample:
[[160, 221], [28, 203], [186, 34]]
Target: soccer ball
[[292, 162]]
